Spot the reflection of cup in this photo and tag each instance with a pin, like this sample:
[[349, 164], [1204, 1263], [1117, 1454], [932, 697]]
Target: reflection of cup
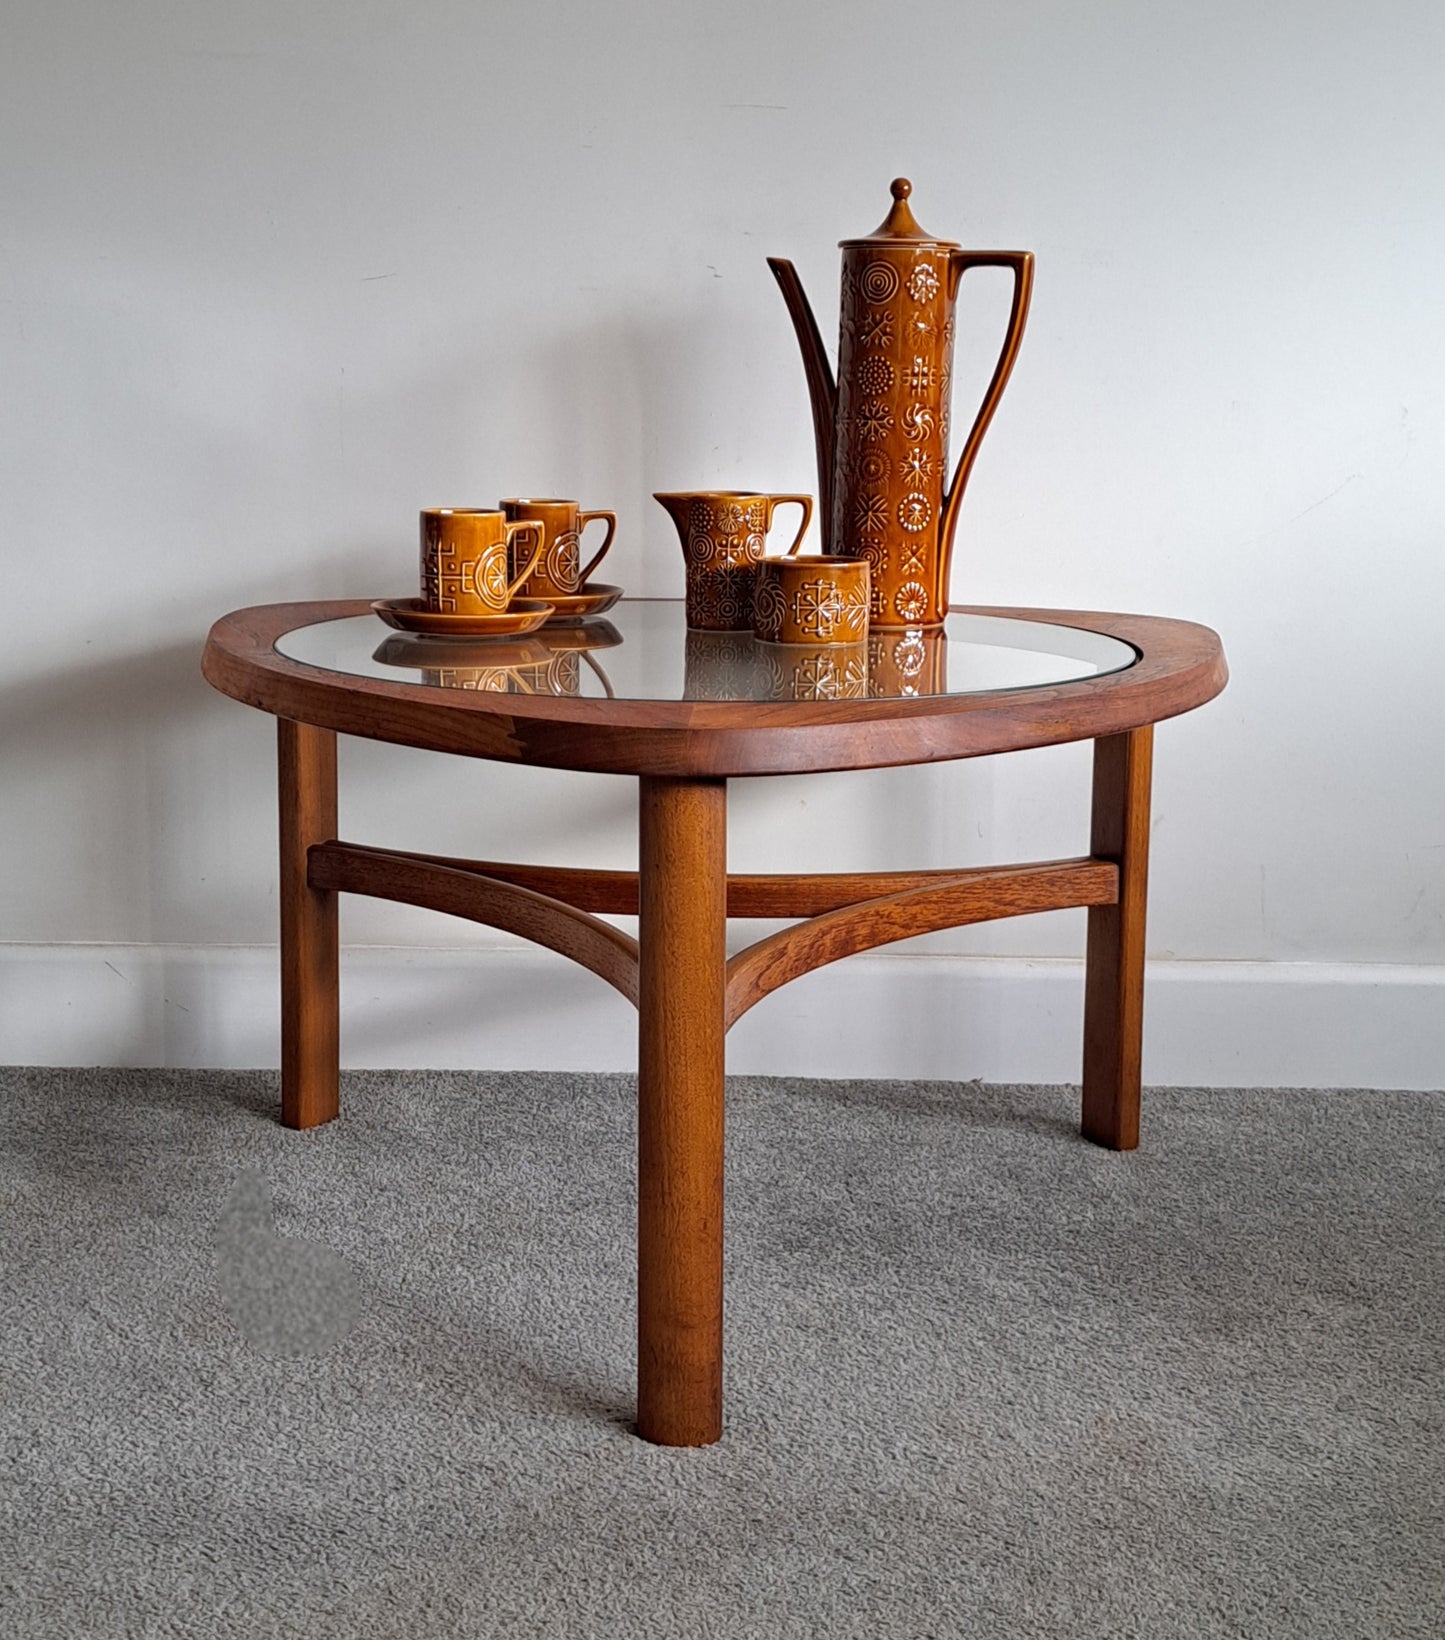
[[545, 663], [811, 600], [556, 573], [911, 662], [466, 559], [825, 671], [724, 534], [492, 667], [559, 674], [721, 666]]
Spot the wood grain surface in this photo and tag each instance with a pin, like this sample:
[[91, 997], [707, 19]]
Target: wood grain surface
[[1180, 666], [310, 997], [682, 829], [770, 895], [1114, 977], [975, 896], [594, 944]]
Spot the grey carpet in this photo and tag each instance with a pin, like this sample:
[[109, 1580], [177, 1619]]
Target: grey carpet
[[983, 1379]]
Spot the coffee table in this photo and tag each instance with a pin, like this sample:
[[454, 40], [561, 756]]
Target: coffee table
[[683, 712]]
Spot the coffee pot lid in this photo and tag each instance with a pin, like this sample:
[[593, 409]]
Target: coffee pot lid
[[899, 226]]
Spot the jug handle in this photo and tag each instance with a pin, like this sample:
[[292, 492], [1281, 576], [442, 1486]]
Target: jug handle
[[803, 501], [1022, 265]]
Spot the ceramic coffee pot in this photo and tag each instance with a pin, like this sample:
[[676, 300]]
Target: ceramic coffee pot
[[884, 492]]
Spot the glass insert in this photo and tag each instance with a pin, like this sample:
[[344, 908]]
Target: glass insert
[[642, 650]]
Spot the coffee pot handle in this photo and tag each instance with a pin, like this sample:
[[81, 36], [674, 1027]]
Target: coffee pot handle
[[806, 503], [1021, 263]]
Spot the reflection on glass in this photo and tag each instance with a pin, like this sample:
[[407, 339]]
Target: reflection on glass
[[644, 651], [738, 666], [543, 663], [719, 665], [907, 663], [824, 671]]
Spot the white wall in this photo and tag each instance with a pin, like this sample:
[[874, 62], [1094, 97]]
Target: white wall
[[274, 276]]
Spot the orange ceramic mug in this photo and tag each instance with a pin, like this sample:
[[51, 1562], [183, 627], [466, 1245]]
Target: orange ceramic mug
[[562, 523], [724, 534], [815, 600], [465, 559]]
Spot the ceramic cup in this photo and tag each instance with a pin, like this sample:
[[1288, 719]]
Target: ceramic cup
[[465, 559], [557, 574], [724, 534], [814, 600]]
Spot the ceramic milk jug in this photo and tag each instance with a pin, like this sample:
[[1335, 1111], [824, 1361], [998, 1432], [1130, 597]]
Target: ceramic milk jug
[[884, 490]]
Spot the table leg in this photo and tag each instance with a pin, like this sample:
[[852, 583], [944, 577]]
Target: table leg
[[310, 1033], [682, 972], [1114, 984]]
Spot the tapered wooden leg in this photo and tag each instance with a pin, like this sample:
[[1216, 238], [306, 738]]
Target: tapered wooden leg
[[310, 1034], [1114, 986], [683, 958]]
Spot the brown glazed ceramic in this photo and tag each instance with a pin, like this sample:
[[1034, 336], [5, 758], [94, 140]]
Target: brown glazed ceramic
[[522, 615], [562, 524], [568, 608], [813, 600], [834, 671], [466, 560], [884, 491], [724, 534]]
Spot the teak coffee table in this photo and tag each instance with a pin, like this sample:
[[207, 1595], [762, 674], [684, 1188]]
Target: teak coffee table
[[683, 712]]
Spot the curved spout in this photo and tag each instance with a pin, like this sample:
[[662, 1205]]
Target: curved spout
[[677, 502], [822, 389]]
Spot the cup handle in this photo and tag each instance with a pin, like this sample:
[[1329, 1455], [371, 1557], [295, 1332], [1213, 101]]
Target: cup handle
[[606, 681], [512, 529], [806, 503], [583, 520]]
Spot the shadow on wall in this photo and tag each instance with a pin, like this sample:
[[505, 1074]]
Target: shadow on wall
[[139, 801], [123, 786], [644, 401]]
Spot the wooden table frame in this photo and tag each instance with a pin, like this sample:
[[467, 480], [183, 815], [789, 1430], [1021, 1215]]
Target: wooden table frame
[[687, 991]]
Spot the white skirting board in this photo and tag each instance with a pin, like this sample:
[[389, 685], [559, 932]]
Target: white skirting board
[[950, 1018]]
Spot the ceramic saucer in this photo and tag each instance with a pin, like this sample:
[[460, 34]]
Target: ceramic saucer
[[594, 599], [412, 615]]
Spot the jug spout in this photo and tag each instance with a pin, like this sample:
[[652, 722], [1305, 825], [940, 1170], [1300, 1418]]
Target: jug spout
[[677, 503], [822, 389]]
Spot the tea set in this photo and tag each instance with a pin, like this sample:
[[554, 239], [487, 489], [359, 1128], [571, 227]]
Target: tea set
[[887, 504], [476, 583]]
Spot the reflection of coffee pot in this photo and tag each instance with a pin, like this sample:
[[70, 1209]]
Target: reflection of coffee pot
[[904, 664], [884, 493]]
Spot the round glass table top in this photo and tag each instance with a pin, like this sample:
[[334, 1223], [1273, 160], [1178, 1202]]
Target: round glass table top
[[643, 650]]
